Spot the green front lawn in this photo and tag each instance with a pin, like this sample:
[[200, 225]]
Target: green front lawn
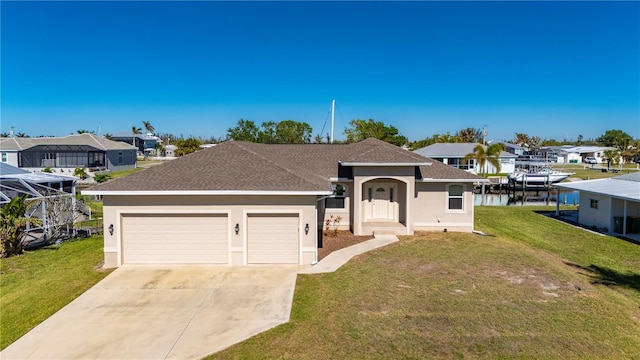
[[534, 288], [35, 285]]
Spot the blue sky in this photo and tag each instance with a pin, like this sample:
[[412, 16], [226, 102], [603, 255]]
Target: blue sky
[[551, 69]]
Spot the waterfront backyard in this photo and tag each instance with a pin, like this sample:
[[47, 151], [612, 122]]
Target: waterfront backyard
[[532, 288]]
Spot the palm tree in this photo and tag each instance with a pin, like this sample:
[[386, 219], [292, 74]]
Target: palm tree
[[613, 157], [160, 150], [522, 140], [469, 135], [13, 225], [481, 155], [148, 127], [135, 131]]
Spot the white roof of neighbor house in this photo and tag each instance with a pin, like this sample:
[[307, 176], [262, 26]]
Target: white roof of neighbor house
[[6, 169], [129, 135], [626, 187], [513, 146], [79, 139], [453, 150], [11, 172], [579, 149]]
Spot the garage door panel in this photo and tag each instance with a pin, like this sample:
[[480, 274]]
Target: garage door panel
[[273, 239], [175, 238]]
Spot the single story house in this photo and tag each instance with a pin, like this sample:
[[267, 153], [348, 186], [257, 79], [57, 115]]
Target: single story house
[[513, 148], [243, 203], [64, 154], [453, 153], [612, 204], [145, 143], [572, 154]]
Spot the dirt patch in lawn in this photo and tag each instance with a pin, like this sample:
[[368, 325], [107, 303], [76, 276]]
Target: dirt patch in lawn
[[341, 239]]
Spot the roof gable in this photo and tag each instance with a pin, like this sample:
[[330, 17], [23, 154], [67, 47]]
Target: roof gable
[[374, 151]]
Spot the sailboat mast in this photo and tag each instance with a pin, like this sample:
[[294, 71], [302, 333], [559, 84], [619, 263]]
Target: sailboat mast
[[333, 108]]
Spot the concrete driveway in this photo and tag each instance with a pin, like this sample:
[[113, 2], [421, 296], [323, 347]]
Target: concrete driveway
[[168, 312]]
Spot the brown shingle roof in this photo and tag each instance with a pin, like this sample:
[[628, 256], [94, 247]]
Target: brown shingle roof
[[245, 166]]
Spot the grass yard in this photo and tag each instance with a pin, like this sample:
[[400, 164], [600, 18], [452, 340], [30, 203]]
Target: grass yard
[[586, 172], [121, 173], [534, 288], [39, 283]]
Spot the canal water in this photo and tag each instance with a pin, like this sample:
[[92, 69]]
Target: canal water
[[539, 198]]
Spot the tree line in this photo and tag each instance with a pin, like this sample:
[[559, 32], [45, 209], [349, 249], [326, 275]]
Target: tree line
[[296, 132]]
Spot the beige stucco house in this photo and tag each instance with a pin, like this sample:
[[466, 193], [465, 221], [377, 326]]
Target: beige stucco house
[[243, 203]]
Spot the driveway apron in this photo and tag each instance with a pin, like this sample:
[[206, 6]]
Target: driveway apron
[[163, 312]]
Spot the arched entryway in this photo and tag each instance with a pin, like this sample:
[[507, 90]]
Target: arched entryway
[[383, 206]]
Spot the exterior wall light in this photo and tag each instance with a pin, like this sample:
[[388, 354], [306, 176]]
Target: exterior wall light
[[306, 229], [237, 228], [111, 229]]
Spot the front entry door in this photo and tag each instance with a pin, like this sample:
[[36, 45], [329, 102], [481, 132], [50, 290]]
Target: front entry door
[[380, 203]]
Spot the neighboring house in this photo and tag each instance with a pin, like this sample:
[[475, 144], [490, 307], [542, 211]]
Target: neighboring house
[[612, 204], [572, 154], [453, 153], [513, 148], [145, 143], [245, 203], [64, 154]]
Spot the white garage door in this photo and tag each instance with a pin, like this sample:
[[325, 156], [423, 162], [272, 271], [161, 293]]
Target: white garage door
[[175, 239], [273, 239]]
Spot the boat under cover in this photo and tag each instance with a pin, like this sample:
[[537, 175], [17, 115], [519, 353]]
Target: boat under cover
[[539, 177]]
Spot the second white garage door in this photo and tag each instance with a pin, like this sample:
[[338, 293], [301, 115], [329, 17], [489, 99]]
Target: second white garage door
[[175, 239], [273, 239]]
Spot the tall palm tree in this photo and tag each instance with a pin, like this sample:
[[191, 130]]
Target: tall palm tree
[[148, 127], [522, 140], [135, 131], [469, 135], [481, 155]]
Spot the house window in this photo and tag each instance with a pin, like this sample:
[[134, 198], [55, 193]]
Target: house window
[[458, 163], [4, 157], [391, 194], [338, 201], [455, 197], [594, 203], [120, 157]]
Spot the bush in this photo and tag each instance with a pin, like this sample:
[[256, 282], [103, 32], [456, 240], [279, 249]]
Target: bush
[[100, 178], [80, 172]]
